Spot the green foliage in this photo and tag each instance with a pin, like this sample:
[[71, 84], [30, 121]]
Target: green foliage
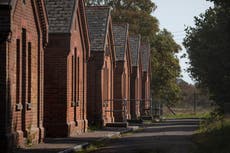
[[139, 21], [213, 136], [208, 47], [141, 5], [223, 3], [165, 67]]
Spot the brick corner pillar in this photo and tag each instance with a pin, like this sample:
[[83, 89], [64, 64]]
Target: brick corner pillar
[[94, 93], [118, 115], [133, 102], [6, 136]]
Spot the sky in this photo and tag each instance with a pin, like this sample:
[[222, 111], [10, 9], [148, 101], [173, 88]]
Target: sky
[[175, 15]]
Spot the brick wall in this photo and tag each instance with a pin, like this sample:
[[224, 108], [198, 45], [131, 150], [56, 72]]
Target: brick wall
[[55, 97], [100, 83], [146, 98], [126, 83], [144, 93], [133, 93], [100, 88], [118, 91], [94, 94], [122, 90], [80, 48], [4, 126], [65, 81], [139, 89], [24, 76]]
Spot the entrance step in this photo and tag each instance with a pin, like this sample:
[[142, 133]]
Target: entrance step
[[147, 118], [117, 124]]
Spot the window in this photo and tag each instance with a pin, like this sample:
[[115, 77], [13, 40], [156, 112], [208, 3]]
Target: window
[[73, 79], [24, 2], [24, 66], [23, 78], [29, 76], [124, 85], [77, 71], [18, 69]]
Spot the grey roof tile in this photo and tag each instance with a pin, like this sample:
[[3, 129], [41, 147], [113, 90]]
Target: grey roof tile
[[134, 48], [120, 33], [145, 55], [60, 14], [97, 18]]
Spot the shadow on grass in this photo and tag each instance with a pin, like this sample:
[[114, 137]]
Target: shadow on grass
[[214, 138]]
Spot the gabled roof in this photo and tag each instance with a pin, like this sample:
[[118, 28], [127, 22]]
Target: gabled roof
[[120, 33], [145, 55], [60, 14], [135, 48], [98, 24]]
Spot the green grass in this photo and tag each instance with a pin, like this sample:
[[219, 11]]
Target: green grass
[[213, 137], [93, 147], [188, 115], [147, 122], [187, 112]]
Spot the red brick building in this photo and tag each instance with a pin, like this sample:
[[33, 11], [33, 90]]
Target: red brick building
[[136, 76], [146, 78], [101, 66], [23, 37], [122, 73], [66, 69]]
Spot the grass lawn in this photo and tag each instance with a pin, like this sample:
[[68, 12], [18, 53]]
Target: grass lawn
[[181, 113], [187, 115], [93, 147]]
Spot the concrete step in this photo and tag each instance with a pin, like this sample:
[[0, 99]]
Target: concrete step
[[118, 124]]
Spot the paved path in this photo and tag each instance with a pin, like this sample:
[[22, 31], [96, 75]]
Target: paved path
[[55, 145], [172, 136]]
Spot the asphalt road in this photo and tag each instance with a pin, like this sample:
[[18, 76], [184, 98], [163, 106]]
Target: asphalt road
[[172, 136]]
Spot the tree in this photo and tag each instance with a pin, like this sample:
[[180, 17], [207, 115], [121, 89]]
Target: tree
[[222, 3], [191, 94], [208, 48], [165, 67]]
